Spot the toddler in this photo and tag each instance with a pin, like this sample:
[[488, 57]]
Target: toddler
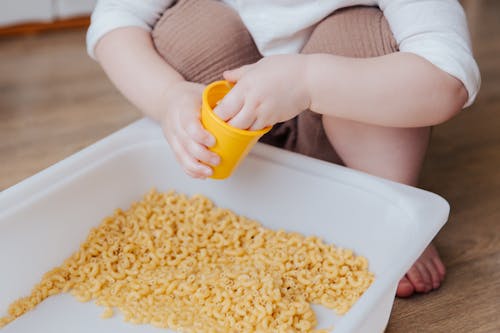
[[354, 82]]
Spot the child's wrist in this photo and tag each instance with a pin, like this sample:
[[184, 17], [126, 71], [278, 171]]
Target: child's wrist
[[162, 101], [318, 75], [177, 93], [172, 90]]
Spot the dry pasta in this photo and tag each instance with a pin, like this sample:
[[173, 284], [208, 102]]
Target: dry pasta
[[183, 263]]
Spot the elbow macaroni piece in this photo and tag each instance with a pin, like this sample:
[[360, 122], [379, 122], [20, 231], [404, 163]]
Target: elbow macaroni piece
[[183, 263]]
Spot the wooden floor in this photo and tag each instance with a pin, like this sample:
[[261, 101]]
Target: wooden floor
[[54, 101]]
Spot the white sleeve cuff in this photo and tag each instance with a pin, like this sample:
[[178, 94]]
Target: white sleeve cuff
[[437, 31], [112, 14], [455, 60], [107, 22]]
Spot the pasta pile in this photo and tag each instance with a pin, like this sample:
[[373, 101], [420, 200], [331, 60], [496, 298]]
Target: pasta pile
[[182, 263]]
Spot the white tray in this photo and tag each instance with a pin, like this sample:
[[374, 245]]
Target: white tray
[[44, 219]]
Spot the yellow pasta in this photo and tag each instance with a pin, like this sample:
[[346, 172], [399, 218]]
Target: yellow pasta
[[182, 263], [108, 313]]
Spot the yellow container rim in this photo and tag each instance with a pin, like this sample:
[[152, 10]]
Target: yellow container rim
[[221, 122]]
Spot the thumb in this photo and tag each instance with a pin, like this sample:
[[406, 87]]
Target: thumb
[[236, 74]]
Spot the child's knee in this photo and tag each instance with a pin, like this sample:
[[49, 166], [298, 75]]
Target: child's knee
[[359, 32], [202, 38]]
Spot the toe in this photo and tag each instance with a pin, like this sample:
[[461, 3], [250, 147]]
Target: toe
[[435, 276], [439, 267], [433, 256], [405, 288], [426, 276], [416, 279]]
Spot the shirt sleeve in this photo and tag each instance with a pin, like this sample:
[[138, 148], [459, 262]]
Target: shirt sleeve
[[112, 14], [437, 31]]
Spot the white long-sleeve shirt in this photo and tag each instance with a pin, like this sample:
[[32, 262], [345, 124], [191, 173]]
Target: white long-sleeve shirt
[[433, 29]]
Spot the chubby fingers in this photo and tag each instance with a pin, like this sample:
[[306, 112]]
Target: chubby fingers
[[189, 141], [245, 112], [199, 151], [230, 105], [237, 109], [190, 165], [246, 117], [194, 130], [234, 108], [235, 75], [259, 122], [195, 139]]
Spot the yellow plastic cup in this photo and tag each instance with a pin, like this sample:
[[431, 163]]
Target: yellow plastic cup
[[231, 144]]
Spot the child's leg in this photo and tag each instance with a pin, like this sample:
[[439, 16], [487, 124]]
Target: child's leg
[[392, 153], [203, 38]]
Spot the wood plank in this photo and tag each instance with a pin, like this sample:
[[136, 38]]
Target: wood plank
[[37, 27], [54, 101], [461, 305]]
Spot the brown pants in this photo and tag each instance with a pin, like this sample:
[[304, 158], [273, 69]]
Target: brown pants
[[203, 38]]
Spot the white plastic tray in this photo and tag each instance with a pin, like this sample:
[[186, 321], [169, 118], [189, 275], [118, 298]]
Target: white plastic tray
[[44, 219]]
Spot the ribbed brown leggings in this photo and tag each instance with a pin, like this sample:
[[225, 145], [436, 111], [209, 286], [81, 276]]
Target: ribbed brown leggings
[[203, 38]]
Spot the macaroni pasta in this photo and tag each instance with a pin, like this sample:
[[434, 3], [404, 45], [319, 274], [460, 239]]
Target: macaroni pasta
[[182, 263]]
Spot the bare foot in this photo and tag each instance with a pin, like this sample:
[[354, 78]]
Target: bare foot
[[425, 275]]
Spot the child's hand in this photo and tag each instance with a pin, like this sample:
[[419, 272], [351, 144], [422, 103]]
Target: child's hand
[[269, 91], [184, 132]]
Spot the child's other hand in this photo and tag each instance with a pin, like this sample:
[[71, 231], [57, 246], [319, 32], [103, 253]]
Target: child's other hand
[[184, 131], [267, 92]]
